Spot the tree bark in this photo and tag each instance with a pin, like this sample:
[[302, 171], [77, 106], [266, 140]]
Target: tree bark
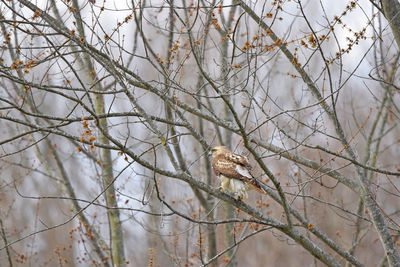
[[391, 9]]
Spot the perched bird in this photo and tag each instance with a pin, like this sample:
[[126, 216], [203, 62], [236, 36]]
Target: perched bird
[[233, 170]]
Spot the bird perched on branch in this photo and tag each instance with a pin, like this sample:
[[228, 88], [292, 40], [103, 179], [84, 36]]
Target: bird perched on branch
[[233, 170]]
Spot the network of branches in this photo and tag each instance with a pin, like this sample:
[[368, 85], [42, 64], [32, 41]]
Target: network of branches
[[108, 110]]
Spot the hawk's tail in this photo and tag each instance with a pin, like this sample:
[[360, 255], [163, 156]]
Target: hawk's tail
[[256, 185]]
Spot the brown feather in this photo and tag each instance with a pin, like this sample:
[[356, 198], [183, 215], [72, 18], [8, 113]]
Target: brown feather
[[239, 159], [226, 163]]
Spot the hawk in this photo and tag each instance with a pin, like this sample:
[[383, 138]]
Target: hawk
[[233, 170]]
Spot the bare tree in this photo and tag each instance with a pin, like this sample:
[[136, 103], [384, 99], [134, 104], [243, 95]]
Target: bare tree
[[109, 109]]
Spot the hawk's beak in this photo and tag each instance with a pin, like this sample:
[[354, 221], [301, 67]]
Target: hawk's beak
[[209, 153]]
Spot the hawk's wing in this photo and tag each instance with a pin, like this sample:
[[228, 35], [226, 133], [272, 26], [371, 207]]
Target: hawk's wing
[[234, 166], [239, 159], [231, 165]]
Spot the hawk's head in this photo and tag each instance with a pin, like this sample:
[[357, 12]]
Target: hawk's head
[[216, 150]]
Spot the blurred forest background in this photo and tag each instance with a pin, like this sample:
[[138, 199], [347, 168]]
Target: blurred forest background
[[108, 110]]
